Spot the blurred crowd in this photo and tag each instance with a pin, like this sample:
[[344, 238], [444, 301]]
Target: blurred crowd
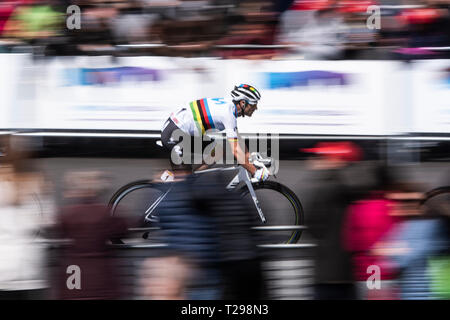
[[64, 249], [252, 29], [375, 240], [378, 239]]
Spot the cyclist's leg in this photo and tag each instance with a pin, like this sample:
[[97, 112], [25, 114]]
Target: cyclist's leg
[[209, 154], [170, 143], [204, 166], [166, 135]]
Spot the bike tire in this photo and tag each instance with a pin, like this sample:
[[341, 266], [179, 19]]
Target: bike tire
[[124, 191], [435, 192], [297, 212], [124, 188]]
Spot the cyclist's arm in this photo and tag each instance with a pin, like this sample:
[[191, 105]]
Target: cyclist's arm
[[241, 156]]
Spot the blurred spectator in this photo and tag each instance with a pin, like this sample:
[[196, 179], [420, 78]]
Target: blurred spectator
[[295, 17], [319, 36], [96, 26], [332, 195], [426, 27], [165, 278], [132, 25], [359, 41], [254, 23], [240, 259], [208, 232], [367, 221], [440, 264], [412, 242], [188, 37], [25, 210], [6, 10], [252, 29], [87, 224], [282, 5], [315, 29], [34, 20], [190, 232]]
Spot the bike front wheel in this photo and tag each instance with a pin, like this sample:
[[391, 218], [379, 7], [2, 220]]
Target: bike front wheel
[[282, 209], [439, 197]]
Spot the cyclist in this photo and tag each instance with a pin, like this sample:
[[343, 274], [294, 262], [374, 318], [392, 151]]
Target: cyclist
[[220, 114]]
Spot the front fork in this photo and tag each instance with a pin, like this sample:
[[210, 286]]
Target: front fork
[[243, 176]]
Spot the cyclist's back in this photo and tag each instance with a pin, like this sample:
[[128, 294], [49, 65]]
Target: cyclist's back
[[201, 115]]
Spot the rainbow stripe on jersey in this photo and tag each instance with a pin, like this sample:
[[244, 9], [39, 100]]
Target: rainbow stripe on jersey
[[202, 115]]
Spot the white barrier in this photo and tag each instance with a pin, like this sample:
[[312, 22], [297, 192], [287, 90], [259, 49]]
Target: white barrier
[[298, 97], [431, 96], [316, 97], [11, 68]]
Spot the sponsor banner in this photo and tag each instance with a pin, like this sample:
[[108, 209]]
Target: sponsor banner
[[430, 88], [139, 93], [136, 93], [316, 97]]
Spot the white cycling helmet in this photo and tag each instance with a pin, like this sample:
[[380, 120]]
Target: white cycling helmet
[[246, 92]]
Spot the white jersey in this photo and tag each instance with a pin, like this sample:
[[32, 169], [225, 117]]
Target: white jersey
[[205, 114]]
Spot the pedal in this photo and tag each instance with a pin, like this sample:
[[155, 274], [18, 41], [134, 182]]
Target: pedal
[[167, 176]]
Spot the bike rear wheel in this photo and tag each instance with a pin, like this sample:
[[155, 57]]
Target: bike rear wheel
[[131, 203], [282, 210]]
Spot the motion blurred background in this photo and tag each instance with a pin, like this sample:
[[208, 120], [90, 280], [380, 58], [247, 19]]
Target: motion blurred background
[[82, 108]]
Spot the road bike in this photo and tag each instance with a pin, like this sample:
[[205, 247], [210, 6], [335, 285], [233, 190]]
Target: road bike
[[279, 209]]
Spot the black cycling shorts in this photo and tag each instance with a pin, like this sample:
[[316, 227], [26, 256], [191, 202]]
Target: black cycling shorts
[[171, 140]]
